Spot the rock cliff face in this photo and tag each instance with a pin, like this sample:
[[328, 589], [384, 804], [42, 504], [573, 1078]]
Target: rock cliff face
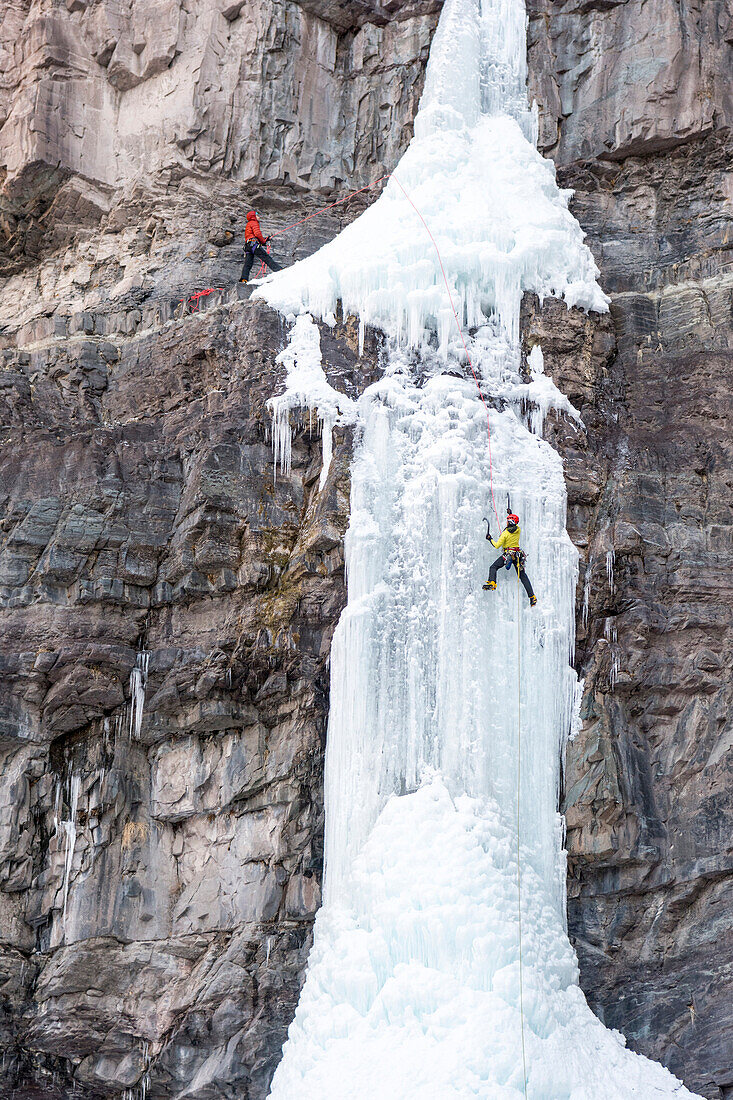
[[167, 603], [167, 620], [104, 96], [636, 107]]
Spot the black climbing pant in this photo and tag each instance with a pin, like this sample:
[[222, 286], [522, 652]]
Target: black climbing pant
[[499, 563], [261, 254]]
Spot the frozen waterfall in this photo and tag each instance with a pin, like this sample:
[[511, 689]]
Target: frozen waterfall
[[449, 705]]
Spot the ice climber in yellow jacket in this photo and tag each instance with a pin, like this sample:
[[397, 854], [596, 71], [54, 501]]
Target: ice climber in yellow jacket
[[508, 541]]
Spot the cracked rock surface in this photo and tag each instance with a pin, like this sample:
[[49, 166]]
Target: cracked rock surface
[[635, 108], [168, 606]]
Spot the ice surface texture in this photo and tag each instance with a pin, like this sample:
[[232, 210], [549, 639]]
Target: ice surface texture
[[501, 224], [439, 691], [306, 388]]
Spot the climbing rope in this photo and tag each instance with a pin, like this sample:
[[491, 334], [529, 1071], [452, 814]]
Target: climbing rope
[[463, 341], [519, 797], [322, 210], [330, 206], [193, 302]]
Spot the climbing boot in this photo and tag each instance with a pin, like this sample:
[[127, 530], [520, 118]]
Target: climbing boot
[[492, 584], [532, 601]]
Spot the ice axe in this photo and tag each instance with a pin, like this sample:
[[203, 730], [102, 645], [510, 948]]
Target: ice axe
[[488, 529]]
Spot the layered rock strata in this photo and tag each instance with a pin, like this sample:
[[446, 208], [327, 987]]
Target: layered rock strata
[[635, 108], [168, 609]]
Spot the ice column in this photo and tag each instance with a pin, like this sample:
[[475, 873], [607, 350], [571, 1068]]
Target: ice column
[[308, 388], [66, 828], [138, 682], [450, 705]]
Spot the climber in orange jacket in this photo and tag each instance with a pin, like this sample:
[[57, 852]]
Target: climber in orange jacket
[[254, 243], [508, 541]]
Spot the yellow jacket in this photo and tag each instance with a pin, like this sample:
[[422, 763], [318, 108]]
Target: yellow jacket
[[507, 540]]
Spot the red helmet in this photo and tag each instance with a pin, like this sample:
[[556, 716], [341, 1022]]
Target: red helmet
[[251, 214], [511, 518]]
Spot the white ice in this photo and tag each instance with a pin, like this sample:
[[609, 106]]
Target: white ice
[[441, 969], [501, 224], [306, 387], [138, 683], [66, 828]]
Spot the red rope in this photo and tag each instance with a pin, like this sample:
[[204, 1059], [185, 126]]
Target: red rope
[[330, 206], [460, 333], [316, 213], [261, 268], [200, 294]]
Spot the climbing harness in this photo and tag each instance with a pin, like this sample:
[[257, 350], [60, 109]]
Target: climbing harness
[[515, 557]]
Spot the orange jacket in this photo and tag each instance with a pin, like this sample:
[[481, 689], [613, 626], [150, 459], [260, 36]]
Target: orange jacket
[[252, 231]]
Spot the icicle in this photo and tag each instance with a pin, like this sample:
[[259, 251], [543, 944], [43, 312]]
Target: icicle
[[610, 562], [613, 677], [67, 829], [281, 435], [138, 682], [306, 388], [587, 581], [610, 633], [577, 722]]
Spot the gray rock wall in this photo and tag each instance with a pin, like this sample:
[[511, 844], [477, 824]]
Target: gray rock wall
[[636, 109], [100, 96], [167, 608]]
